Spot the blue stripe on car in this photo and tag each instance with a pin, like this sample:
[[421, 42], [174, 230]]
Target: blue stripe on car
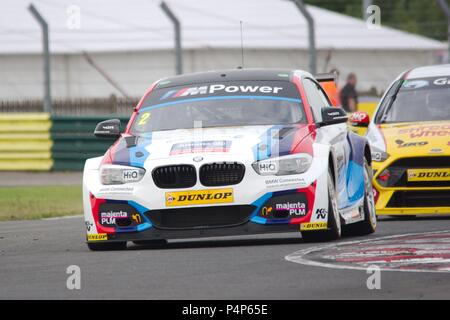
[[143, 142], [258, 204]]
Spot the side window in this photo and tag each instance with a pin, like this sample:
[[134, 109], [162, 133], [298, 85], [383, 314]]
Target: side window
[[316, 98], [324, 97], [386, 100]]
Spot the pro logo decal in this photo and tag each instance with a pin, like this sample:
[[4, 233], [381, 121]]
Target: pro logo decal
[[403, 144], [198, 197]]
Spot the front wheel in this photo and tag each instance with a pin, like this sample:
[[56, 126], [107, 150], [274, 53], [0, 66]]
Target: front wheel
[[334, 230]]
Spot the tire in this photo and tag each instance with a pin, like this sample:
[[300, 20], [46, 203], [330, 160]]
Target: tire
[[334, 220], [369, 224], [106, 246]]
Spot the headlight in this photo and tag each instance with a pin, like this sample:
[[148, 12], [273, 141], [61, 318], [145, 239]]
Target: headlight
[[378, 155], [114, 174], [282, 166]]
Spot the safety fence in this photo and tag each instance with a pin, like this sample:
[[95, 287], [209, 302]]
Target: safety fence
[[85, 107], [73, 141], [39, 142]]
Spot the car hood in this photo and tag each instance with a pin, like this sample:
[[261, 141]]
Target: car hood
[[415, 139], [243, 142]]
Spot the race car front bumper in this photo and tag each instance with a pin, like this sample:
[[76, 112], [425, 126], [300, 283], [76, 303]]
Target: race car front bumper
[[398, 196], [140, 223], [258, 204], [247, 228]]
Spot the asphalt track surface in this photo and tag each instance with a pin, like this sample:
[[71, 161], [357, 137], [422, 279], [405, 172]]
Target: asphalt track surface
[[34, 256], [33, 179]]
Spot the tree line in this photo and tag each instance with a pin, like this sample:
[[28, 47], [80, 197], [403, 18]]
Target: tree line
[[423, 17]]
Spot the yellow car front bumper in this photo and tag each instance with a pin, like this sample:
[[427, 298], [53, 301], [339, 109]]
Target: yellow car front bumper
[[385, 195], [395, 200]]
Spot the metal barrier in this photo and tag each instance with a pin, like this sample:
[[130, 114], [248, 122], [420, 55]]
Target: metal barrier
[[74, 141]]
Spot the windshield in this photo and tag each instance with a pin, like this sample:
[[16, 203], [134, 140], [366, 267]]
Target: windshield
[[240, 103], [426, 99]]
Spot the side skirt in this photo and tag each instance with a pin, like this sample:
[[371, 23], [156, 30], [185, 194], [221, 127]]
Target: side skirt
[[354, 213]]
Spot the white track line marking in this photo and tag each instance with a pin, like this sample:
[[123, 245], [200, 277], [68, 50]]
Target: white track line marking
[[299, 256]]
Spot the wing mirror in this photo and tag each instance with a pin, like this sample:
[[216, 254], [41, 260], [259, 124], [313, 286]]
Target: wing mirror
[[333, 115], [108, 129], [360, 119]]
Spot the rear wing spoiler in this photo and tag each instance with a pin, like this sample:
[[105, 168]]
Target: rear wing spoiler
[[328, 81], [326, 77]]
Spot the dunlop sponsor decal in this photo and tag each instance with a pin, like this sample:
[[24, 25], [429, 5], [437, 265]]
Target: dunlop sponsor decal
[[313, 226], [97, 237], [184, 198], [429, 175]]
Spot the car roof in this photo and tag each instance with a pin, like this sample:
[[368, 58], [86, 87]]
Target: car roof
[[229, 75], [429, 71]]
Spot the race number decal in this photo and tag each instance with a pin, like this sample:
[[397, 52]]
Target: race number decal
[[144, 118]]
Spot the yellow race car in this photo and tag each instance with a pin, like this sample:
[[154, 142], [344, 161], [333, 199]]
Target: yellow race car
[[409, 137]]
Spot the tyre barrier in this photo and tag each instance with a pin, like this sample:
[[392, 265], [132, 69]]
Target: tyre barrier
[[39, 142], [25, 142]]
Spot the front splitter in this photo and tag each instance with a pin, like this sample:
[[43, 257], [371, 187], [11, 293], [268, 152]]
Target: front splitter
[[248, 228]]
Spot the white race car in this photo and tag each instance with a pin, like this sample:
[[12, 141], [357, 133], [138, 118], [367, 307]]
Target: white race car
[[235, 152]]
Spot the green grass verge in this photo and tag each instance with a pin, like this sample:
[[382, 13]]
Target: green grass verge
[[22, 203]]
